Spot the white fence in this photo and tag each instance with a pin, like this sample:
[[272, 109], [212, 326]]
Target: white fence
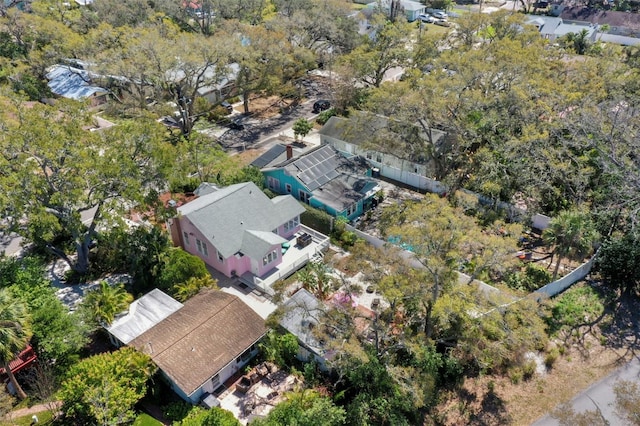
[[558, 286]]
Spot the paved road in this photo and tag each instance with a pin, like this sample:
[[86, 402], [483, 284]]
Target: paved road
[[256, 131], [602, 394]]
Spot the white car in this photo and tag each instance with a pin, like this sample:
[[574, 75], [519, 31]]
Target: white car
[[440, 15], [426, 18]]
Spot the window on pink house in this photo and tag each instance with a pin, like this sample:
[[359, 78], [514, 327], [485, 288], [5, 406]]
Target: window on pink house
[[270, 257], [202, 248], [292, 224]]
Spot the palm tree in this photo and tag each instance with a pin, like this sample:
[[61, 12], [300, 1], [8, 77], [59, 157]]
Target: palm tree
[[105, 302], [15, 332], [580, 41], [571, 234]]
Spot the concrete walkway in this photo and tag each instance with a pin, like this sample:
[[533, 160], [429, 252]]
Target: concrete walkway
[[30, 411]]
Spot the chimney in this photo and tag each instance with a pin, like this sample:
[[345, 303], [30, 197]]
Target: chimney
[[289, 152]]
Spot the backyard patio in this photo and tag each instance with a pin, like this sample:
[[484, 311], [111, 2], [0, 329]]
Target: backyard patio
[[260, 398]]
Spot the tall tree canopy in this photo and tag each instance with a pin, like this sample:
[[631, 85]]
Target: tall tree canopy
[[60, 182], [103, 389]]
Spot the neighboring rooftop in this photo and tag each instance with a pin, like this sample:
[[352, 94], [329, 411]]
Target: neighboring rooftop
[[404, 140], [143, 314], [225, 215], [191, 345], [301, 314], [72, 83], [334, 180], [600, 17]]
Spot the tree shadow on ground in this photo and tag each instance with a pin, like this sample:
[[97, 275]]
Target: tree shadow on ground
[[482, 408]]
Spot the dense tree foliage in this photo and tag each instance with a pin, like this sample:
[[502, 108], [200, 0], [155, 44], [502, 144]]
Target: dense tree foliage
[[304, 408], [58, 335], [65, 172], [103, 389], [15, 332], [106, 301]]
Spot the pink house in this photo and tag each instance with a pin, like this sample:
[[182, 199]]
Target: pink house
[[237, 229]]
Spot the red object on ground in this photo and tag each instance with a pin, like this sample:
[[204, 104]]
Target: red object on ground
[[24, 360]]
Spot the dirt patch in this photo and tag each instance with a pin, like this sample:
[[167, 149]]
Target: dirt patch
[[589, 355], [267, 107]]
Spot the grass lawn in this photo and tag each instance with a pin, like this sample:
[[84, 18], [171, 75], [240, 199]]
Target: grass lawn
[[146, 420], [44, 418]]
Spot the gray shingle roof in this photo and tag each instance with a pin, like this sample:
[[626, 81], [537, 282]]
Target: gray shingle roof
[[191, 345], [334, 180], [224, 216], [256, 244]]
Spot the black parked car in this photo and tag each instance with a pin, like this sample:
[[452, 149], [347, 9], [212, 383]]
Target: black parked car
[[321, 105]]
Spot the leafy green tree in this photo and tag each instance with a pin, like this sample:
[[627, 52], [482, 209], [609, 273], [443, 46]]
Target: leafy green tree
[[304, 408], [104, 389], [579, 42], [270, 63], [65, 171], [105, 302], [617, 260], [433, 231], [215, 416], [178, 267], [571, 234], [15, 332], [301, 128], [57, 334], [279, 348], [138, 251], [376, 55], [192, 286], [371, 395]]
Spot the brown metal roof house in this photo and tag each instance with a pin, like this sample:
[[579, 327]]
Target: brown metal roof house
[[203, 343]]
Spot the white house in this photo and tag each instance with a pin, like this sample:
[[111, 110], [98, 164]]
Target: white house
[[403, 159], [552, 28], [412, 9]]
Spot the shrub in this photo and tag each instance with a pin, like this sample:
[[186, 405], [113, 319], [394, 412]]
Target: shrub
[[316, 219], [184, 185], [177, 410], [529, 369], [577, 306], [324, 116], [551, 357], [515, 375]]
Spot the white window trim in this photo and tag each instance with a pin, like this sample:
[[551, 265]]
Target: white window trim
[[202, 248], [185, 237], [269, 258]]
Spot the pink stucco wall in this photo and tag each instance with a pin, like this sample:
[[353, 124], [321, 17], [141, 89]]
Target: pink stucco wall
[[239, 265]]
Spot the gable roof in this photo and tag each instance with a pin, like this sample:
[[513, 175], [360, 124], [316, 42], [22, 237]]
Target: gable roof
[[334, 180], [194, 343], [256, 244], [72, 83], [143, 314], [225, 215]]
